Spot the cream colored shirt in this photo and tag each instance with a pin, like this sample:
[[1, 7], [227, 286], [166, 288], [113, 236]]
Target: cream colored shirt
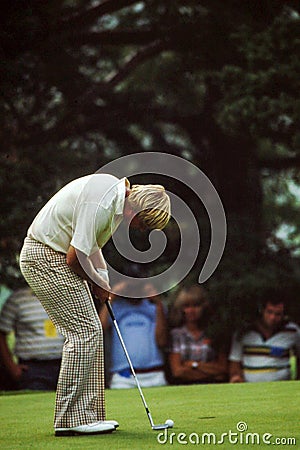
[[84, 213]]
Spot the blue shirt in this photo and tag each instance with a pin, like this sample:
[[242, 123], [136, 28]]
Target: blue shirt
[[137, 323]]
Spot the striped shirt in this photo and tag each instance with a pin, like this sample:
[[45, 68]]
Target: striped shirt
[[35, 335], [266, 359]]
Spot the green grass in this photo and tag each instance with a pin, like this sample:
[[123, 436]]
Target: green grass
[[26, 418]]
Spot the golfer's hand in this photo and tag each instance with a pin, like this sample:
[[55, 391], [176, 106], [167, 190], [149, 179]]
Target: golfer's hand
[[100, 293]]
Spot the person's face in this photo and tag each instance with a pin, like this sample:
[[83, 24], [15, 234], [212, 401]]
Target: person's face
[[273, 315], [137, 224], [192, 311], [132, 219]]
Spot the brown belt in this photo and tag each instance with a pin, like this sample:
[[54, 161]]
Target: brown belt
[[152, 369]]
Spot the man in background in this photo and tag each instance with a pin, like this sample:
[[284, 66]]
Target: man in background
[[143, 325], [262, 352], [36, 358]]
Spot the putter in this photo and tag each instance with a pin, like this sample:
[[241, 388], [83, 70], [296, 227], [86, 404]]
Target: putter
[[162, 426]]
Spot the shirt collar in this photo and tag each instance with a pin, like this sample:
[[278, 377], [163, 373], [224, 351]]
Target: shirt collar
[[121, 188]]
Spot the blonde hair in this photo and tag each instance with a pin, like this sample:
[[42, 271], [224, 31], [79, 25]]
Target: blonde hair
[[195, 294], [152, 204]]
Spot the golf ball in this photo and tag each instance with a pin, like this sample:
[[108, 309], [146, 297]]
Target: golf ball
[[170, 423]]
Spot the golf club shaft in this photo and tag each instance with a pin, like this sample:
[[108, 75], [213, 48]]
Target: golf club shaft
[[111, 313]]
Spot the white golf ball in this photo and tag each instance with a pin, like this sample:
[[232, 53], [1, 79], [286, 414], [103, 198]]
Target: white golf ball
[[169, 422]]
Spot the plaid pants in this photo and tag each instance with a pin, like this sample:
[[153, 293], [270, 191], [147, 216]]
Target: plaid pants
[[69, 304]]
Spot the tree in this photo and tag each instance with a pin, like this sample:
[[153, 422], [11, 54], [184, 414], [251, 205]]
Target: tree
[[86, 82]]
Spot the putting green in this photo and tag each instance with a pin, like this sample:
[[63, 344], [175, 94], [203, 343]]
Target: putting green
[[238, 416]]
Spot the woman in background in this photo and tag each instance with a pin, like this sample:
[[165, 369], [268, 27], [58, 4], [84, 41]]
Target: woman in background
[[193, 357]]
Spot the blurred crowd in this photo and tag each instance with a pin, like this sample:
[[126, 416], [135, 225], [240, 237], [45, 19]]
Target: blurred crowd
[[171, 340]]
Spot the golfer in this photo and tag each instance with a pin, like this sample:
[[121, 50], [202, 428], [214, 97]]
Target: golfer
[[61, 260]]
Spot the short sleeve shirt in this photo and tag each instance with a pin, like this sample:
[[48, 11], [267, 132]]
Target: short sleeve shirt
[[266, 359], [85, 213], [35, 335]]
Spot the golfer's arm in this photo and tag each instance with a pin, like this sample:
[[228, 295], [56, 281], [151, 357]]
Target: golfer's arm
[[104, 318], [74, 264], [98, 260], [89, 273]]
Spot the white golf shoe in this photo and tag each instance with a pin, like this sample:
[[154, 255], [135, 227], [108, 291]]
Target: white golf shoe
[[91, 428], [112, 422]]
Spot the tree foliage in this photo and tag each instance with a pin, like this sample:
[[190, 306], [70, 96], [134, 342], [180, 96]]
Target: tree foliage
[[83, 82]]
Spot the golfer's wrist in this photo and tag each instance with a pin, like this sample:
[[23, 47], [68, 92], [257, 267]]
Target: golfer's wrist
[[103, 274], [101, 289]]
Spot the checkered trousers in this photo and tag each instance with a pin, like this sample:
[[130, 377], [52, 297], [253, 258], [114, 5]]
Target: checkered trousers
[[68, 302]]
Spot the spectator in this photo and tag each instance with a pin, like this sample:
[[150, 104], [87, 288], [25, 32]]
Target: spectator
[[143, 325], [262, 351], [38, 347], [193, 357], [5, 292], [6, 382]]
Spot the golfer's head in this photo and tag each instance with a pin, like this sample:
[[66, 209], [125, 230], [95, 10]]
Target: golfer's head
[[149, 206]]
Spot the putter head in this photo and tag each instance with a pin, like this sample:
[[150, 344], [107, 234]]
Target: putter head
[[162, 426]]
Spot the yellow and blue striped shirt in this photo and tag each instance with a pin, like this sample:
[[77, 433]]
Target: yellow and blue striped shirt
[[266, 359]]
